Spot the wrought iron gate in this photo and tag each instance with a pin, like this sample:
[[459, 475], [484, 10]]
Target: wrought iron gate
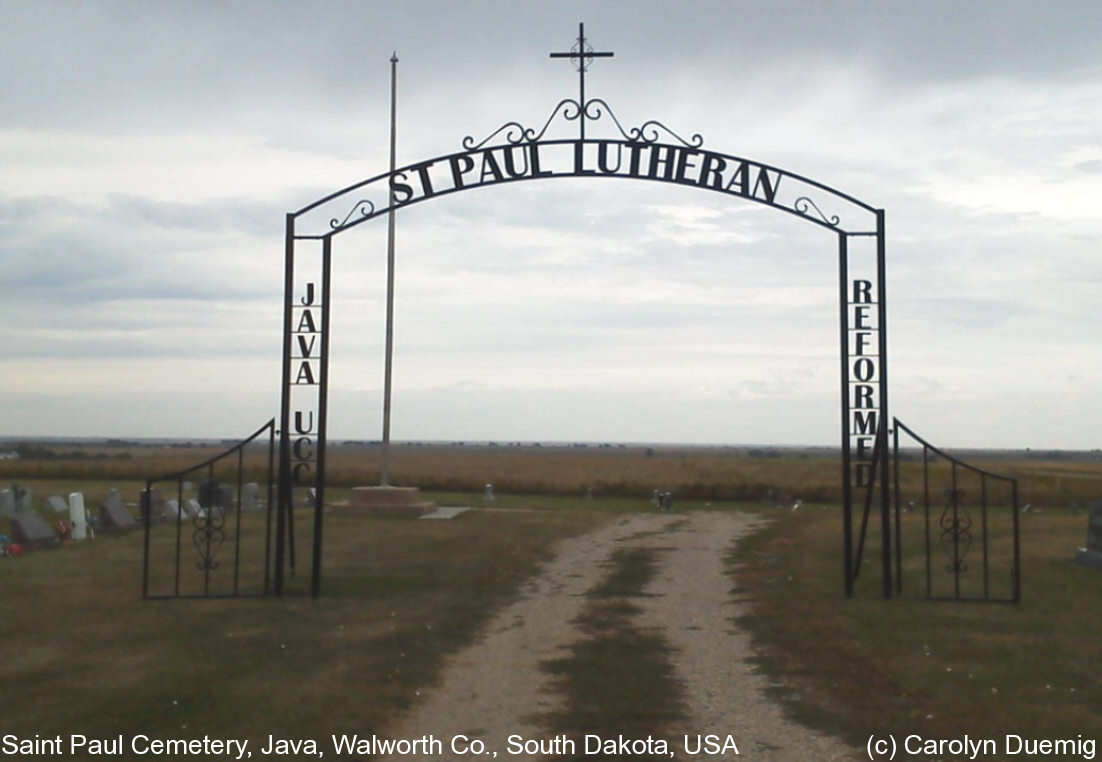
[[210, 534], [963, 517]]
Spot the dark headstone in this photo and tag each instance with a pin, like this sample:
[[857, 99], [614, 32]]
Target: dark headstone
[[30, 530], [7, 503], [156, 502], [215, 495], [113, 516], [1092, 554], [1094, 527]]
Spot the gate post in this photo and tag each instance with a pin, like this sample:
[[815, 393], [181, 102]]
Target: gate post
[[882, 434], [284, 494], [323, 410], [847, 490]]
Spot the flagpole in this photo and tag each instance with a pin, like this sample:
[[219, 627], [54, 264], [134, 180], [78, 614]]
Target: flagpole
[[384, 477]]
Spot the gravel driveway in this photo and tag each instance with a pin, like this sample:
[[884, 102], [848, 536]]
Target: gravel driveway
[[495, 688]]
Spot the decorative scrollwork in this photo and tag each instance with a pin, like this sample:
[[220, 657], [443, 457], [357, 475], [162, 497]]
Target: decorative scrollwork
[[516, 133], [595, 109], [363, 206], [640, 133], [804, 205], [956, 531], [648, 132], [208, 537]]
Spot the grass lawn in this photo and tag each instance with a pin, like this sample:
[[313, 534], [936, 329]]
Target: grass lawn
[[936, 669], [83, 654]]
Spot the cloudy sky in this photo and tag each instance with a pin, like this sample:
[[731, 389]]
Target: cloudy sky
[[149, 153]]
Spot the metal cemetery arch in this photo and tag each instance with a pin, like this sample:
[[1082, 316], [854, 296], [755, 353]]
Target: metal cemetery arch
[[649, 152], [640, 153]]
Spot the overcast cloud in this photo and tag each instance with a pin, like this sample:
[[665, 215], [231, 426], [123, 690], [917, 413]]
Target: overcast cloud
[[149, 153]]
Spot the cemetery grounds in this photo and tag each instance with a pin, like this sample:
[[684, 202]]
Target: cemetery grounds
[[578, 614]]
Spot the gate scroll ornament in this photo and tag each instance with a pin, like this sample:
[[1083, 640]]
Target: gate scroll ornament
[[650, 151], [956, 530], [208, 537]]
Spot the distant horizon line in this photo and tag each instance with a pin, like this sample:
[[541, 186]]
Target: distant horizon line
[[12, 440]]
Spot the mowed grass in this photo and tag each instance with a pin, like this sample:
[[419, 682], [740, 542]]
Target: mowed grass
[[909, 665], [618, 678], [83, 654]]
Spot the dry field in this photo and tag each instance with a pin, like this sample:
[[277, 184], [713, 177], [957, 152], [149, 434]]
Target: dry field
[[1048, 480]]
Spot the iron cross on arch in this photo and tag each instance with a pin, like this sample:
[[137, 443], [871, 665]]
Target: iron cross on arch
[[584, 55]]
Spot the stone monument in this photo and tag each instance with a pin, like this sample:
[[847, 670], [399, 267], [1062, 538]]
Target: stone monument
[[386, 500]]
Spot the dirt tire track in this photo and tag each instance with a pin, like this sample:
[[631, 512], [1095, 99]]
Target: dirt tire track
[[691, 603], [496, 687]]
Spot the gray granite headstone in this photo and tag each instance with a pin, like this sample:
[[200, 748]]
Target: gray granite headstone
[[1091, 555], [30, 530], [57, 504], [249, 497], [113, 515], [23, 500], [7, 503]]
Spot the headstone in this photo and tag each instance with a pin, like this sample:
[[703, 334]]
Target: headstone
[[488, 494], [1091, 555], [210, 494], [192, 507], [7, 503], [57, 504], [250, 494], [156, 502], [113, 515], [30, 530], [172, 509], [77, 516], [22, 500]]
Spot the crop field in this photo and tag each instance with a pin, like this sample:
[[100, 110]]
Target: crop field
[[747, 474]]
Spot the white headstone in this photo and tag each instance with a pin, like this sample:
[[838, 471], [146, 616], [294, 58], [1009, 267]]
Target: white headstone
[[488, 493], [249, 494], [192, 507], [76, 515], [172, 509]]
